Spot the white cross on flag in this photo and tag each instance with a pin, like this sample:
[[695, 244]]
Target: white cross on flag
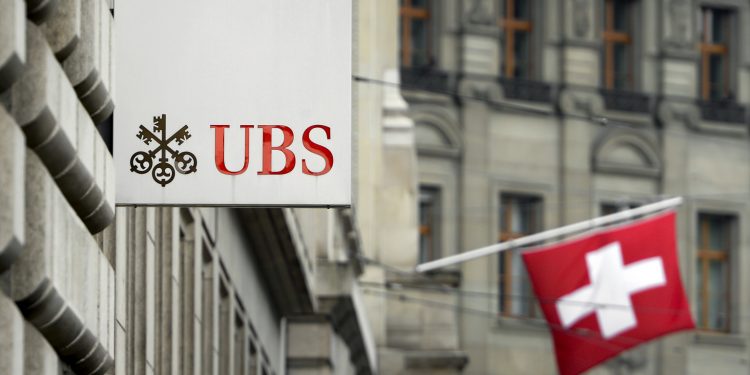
[[610, 291]]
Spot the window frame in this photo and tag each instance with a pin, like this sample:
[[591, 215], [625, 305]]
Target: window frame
[[611, 37], [506, 279], [708, 48], [704, 255], [408, 13], [509, 25], [433, 231]]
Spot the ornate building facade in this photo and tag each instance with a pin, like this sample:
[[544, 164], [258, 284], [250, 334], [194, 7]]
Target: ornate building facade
[[534, 114]]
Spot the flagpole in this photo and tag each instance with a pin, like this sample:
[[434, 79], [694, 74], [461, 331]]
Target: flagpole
[[549, 234]]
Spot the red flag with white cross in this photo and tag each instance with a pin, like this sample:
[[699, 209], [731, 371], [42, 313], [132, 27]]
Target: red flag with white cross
[[610, 291]]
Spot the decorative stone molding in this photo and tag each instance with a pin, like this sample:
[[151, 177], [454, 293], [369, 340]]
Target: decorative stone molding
[[580, 18], [581, 103], [39, 11], [626, 152], [12, 195], [687, 114], [76, 345], [481, 88], [678, 24], [398, 129], [68, 303], [64, 139], [481, 13], [63, 28], [88, 66], [684, 113], [443, 125], [12, 41]]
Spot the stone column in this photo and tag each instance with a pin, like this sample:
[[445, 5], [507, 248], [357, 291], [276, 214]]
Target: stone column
[[480, 65]]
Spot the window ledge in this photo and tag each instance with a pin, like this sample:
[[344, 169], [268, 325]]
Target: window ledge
[[425, 78], [526, 90], [729, 112], [626, 101], [526, 325], [717, 338]]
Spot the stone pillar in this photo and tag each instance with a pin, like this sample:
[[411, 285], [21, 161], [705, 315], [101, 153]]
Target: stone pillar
[[677, 78], [580, 76], [480, 56], [398, 194], [476, 233]]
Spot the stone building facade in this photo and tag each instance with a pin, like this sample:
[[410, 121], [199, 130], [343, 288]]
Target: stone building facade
[[529, 115], [91, 288]]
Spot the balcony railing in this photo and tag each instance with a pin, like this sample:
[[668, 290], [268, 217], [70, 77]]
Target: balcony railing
[[626, 101], [723, 111], [424, 78], [524, 89]]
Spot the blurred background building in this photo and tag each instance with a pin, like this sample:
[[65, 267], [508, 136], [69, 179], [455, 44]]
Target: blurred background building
[[475, 121], [508, 99]]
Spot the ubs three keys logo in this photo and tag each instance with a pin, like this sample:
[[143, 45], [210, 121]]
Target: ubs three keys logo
[[164, 159]]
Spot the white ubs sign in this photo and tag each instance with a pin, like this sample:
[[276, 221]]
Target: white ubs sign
[[233, 102]]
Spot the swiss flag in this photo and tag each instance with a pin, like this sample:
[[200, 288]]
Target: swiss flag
[[610, 291]]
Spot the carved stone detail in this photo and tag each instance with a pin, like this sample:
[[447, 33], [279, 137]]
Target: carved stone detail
[[76, 345], [480, 13], [581, 103], [678, 33], [581, 18]]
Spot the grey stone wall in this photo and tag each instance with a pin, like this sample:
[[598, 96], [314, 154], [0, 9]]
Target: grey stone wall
[[88, 288]]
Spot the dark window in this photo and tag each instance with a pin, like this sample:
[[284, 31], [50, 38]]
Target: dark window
[[416, 33], [715, 50], [619, 59], [715, 244], [429, 223], [520, 215], [516, 24], [252, 361]]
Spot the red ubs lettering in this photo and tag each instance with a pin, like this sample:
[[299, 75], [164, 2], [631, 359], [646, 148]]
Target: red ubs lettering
[[273, 148]]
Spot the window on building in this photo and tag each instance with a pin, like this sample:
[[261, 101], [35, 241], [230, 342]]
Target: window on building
[[517, 61], [520, 215], [619, 59], [416, 33], [715, 47], [252, 360], [715, 244], [225, 320], [240, 334], [208, 303], [429, 223]]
